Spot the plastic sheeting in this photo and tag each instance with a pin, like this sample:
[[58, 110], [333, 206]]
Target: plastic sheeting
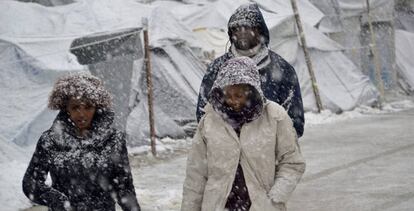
[[34, 48], [177, 75], [24, 89], [342, 85], [404, 43], [336, 11], [381, 10]]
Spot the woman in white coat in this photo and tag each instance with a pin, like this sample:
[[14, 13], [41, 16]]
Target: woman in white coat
[[245, 154]]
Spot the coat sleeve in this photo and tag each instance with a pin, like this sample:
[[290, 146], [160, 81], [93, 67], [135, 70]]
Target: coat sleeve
[[123, 182], [291, 164], [196, 174], [34, 186]]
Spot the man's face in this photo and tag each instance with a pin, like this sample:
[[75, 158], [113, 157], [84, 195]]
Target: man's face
[[245, 38]]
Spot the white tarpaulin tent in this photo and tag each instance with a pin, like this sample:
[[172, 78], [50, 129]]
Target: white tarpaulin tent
[[341, 83], [208, 20], [354, 34], [35, 51], [404, 42], [353, 13]]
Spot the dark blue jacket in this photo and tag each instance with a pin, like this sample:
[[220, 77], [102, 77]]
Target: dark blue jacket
[[279, 82]]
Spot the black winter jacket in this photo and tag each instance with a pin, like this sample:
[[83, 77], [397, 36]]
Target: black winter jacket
[[87, 173]]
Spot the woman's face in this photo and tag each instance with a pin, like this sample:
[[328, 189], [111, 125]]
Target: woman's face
[[81, 113], [236, 96]]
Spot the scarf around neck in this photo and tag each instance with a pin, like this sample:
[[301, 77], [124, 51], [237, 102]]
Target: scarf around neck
[[259, 54]]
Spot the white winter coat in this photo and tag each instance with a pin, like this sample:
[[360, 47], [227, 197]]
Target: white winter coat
[[267, 151]]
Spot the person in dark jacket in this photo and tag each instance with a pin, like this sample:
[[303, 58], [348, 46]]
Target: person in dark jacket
[[86, 157], [249, 36]]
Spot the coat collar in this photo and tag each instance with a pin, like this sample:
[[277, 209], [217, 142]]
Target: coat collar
[[219, 119], [63, 130]]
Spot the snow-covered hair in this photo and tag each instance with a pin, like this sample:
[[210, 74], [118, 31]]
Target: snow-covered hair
[[79, 86]]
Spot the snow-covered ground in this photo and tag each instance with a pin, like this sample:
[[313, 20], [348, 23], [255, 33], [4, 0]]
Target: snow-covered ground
[[158, 181], [326, 116], [360, 145]]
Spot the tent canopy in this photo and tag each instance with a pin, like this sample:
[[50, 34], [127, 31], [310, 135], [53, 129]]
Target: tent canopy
[[34, 56], [342, 85]]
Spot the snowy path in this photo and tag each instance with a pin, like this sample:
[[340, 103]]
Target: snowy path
[[364, 163], [159, 187], [359, 164]]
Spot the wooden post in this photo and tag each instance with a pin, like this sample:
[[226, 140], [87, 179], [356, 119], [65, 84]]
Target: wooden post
[[373, 48], [147, 63], [307, 56]]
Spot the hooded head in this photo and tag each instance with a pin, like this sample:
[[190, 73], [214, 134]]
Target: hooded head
[[238, 72], [249, 15]]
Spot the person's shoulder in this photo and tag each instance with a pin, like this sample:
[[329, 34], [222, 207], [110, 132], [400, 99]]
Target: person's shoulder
[[117, 135], [46, 140], [275, 111], [287, 69], [209, 112], [218, 62], [279, 59], [211, 117], [115, 139], [276, 56]]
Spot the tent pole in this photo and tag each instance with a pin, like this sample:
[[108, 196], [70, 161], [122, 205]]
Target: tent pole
[[393, 49], [307, 56], [373, 48], [147, 63]]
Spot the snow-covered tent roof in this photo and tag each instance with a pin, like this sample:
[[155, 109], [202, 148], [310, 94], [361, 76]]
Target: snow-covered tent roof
[[25, 86], [381, 10], [338, 11], [208, 19], [386, 16], [341, 83], [35, 51]]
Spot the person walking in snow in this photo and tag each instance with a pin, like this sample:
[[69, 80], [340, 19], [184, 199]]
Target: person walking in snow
[[249, 36], [85, 156], [244, 155]]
